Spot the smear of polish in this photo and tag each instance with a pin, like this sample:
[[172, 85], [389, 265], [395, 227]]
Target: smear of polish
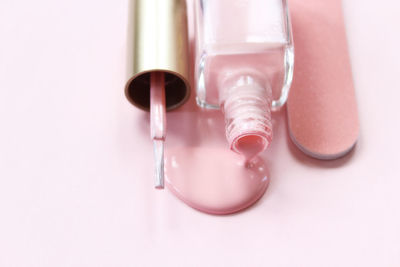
[[215, 180]]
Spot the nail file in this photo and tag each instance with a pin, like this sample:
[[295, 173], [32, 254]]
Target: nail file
[[322, 109]]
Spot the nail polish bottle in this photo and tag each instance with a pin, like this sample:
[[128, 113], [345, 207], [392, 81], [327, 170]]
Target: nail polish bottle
[[244, 66]]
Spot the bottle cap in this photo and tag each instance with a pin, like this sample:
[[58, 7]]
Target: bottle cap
[[160, 44]]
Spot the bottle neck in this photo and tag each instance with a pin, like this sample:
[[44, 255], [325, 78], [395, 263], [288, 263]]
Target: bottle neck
[[246, 104]]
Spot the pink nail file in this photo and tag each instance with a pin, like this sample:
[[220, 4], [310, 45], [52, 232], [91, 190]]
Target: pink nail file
[[322, 108]]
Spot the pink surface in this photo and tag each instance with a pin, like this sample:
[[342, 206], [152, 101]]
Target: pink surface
[[322, 107], [76, 186]]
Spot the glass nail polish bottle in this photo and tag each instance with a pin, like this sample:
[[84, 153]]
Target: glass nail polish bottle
[[244, 66]]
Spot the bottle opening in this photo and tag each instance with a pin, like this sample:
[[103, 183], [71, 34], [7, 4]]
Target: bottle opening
[[247, 109], [250, 145]]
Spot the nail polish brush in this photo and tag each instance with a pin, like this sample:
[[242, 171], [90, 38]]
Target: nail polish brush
[[158, 119], [159, 80]]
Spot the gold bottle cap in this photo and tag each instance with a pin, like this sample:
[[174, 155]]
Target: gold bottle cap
[[160, 44]]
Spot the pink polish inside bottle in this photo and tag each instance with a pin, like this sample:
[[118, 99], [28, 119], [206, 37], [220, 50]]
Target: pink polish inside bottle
[[244, 59]]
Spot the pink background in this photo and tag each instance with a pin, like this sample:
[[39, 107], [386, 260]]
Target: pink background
[[76, 185]]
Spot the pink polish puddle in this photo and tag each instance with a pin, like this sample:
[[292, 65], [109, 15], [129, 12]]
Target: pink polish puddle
[[215, 180]]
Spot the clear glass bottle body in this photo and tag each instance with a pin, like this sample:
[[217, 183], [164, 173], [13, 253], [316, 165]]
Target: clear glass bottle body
[[239, 36], [244, 65]]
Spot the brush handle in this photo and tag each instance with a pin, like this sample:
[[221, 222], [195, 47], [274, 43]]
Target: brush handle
[[158, 120]]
